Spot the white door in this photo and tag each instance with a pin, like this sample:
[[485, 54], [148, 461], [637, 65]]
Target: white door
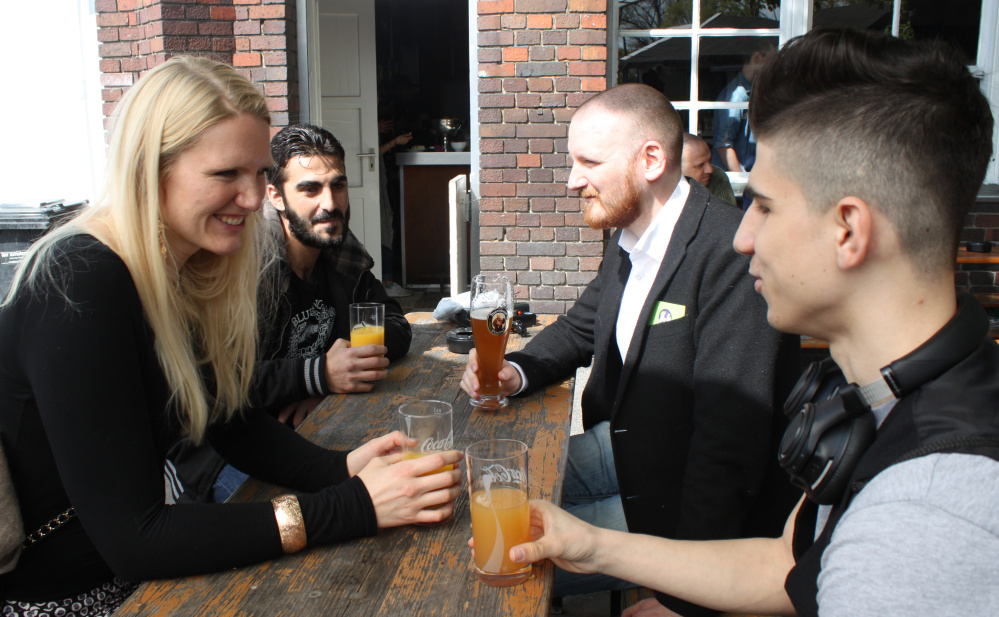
[[343, 77], [458, 203]]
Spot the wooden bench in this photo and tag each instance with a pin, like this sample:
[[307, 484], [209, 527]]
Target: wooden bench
[[988, 300]]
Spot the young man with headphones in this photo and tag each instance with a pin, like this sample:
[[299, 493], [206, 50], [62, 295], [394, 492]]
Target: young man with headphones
[[896, 440]]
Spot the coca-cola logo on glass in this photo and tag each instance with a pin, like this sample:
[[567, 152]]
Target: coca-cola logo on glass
[[499, 473], [436, 445]]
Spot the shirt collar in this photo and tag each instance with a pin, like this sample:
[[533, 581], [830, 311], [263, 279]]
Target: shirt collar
[[655, 240]]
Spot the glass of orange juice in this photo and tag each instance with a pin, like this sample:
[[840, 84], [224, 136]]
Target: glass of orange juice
[[429, 423], [367, 324], [501, 515]]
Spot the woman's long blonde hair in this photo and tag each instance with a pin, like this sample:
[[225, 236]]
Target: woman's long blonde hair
[[204, 317]]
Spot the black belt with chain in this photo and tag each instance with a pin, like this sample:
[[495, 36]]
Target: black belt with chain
[[49, 527]]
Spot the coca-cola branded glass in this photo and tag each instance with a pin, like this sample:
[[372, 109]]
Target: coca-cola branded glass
[[501, 515], [429, 423]]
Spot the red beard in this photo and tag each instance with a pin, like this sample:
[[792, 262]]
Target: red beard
[[618, 209]]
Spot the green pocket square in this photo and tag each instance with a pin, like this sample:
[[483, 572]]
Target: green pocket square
[[667, 311]]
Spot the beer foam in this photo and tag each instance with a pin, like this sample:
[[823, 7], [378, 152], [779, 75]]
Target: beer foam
[[481, 314], [488, 300]]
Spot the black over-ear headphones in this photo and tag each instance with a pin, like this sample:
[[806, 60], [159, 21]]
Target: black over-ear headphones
[[831, 424]]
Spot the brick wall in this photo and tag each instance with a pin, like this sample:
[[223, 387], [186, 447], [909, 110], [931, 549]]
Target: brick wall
[[538, 61], [257, 36], [266, 47], [982, 224], [137, 35]]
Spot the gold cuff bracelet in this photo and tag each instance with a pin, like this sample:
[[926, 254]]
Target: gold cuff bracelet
[[290, 523]]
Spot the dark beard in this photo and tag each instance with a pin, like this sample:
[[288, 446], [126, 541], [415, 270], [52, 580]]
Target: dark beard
[[619, 210], [302, 229]]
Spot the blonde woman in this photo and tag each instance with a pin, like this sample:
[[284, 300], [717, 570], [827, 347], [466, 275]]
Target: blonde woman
[[135, 325]]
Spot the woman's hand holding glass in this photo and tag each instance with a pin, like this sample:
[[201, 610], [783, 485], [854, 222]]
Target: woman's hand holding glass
[[398, 489]]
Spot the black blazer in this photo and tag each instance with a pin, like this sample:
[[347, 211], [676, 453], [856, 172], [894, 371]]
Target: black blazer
[[695, 408]]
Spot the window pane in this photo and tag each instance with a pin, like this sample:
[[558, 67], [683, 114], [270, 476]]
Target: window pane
[[859, 14], [684, 117], [652, 14], [954, 21], [740, 14], [649, 14], [663, 64], [724, 58]]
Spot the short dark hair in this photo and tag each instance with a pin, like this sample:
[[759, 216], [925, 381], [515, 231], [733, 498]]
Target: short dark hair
[[690, 139], [300, 140], [901, 125], [651, 112]]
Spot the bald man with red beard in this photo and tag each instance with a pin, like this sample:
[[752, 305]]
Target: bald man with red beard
[[682, 407]]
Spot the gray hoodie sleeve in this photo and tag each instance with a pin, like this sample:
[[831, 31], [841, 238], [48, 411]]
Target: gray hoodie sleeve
[[921, 539]]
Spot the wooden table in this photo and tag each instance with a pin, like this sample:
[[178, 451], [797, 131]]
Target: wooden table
[[964, 256], [415, 570]]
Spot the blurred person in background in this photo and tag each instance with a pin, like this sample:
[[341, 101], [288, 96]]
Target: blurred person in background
[[695, 163]]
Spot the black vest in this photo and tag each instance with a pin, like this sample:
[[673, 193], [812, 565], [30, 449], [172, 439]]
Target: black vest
[[957, 412]]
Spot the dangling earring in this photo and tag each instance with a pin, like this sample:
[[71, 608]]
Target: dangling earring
[[163, 243]]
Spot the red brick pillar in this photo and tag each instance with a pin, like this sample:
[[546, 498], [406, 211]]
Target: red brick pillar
[[267, 53], [538, 61], [256, 36], [137, 35]]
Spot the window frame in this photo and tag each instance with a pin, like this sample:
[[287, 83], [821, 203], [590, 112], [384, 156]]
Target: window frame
[[795, 19]]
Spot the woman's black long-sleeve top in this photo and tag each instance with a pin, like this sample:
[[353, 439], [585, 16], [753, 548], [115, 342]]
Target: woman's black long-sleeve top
[[86, 422]]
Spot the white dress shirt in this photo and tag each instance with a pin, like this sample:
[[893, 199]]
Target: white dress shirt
[[646, 255]]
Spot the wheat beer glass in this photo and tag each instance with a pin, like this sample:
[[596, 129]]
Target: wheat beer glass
[[367, 324], [497, 488], [491, 311], [429, 423]]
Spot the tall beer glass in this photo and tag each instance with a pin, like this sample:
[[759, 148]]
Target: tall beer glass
[[491, 310], [501, 514]]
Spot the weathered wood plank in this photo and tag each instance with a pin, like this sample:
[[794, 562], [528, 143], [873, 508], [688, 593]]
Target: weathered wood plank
[[417, 570]]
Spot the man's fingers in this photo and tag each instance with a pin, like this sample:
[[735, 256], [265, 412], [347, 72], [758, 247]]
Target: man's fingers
[[529, 552], [470, 380], [300, 415], [370, 351], [340, 344], [431, 463]]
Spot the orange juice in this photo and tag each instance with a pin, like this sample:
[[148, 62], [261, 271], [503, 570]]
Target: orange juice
[[367, 335], [409, 455], [499, 526]]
